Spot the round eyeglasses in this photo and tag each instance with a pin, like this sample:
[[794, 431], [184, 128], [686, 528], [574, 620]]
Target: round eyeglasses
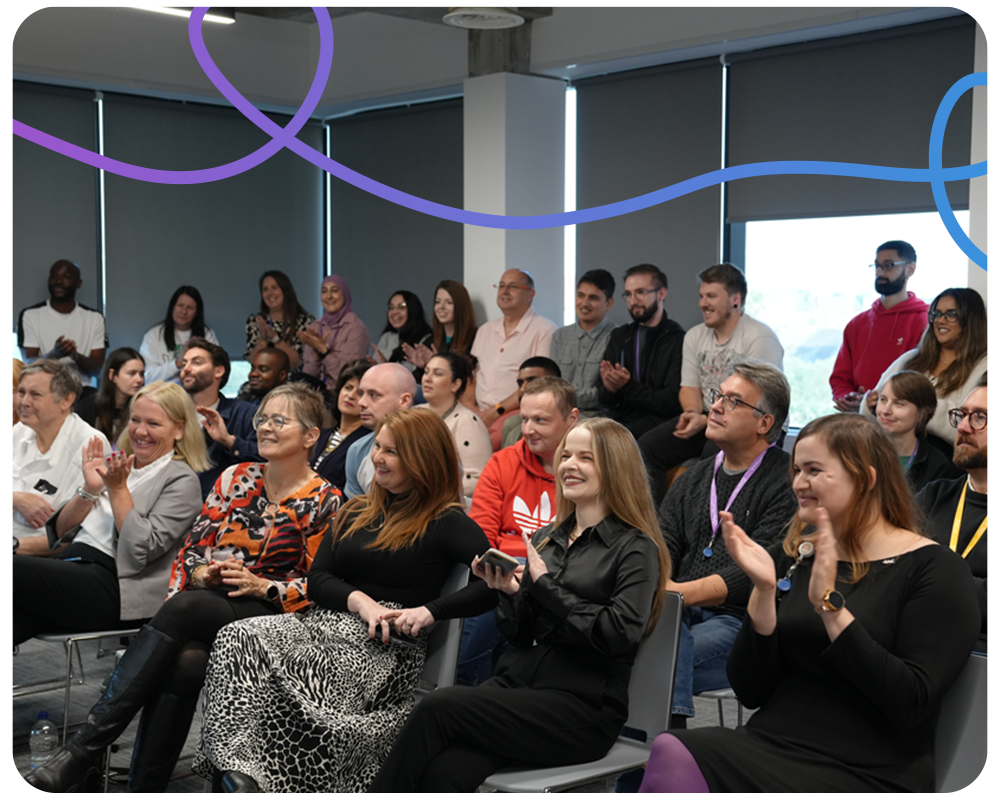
[[276, 421], [977, 419]]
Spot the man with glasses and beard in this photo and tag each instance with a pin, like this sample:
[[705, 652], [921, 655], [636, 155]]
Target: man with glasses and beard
[[641, 370], [877, 337], [956, 509]]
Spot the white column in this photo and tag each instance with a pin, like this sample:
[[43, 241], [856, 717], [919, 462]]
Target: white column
[[514, 166], [984, 192]]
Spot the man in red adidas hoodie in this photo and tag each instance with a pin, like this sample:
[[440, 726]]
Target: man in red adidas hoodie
[[877, 337], [516, 493]]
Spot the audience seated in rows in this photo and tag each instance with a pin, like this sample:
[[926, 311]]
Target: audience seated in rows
[[641, 369], [116, 538], [578, 349], [515, 496], [727, 336], [501, 345], [532, 368], [163, 345], [384, 388], [337, 337], [875, 338], [61, 328]]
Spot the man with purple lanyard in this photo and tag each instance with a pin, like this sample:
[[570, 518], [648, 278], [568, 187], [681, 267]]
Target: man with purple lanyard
[[750, 479]]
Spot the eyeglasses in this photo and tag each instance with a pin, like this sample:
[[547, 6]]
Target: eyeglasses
[[951, 315], [399, 307], [502, 286], [887, 266], [730, 402], [638, 294], [276, 421], [977, 419]]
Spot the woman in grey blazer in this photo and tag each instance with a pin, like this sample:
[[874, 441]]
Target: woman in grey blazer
[[114, 542]]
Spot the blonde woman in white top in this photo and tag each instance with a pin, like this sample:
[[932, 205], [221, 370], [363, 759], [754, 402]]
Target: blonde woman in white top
[[445, 378]]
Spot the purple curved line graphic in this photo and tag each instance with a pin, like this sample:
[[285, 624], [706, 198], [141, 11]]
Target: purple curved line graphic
[[286, 138]]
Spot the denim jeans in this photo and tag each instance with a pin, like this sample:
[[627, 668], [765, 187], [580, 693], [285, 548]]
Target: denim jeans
[[706, 639], [482, 646]]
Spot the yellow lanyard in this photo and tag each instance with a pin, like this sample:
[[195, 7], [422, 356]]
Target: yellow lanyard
[[958, 524]]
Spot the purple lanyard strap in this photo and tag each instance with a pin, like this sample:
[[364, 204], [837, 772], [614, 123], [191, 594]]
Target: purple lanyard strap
[[714, 507]]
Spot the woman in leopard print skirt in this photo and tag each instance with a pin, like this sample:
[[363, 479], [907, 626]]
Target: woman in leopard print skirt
[[314, 702]]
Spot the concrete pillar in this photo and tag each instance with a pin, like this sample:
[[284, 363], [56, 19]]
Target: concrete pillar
[[984, 192], [514, 165]]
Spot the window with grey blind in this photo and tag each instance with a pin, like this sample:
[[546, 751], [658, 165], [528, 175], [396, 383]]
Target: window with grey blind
[[218, 236], [866, 99], [638, 132], [380, 247], [55, 198]]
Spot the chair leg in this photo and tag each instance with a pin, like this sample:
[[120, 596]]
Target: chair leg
[[68, 643], [722, 719]]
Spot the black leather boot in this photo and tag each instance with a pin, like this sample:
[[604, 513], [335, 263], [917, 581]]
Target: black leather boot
[[133, 682], [235, 781], [163, 729]]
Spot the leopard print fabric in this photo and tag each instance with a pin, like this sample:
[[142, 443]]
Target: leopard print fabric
[[305, 703]]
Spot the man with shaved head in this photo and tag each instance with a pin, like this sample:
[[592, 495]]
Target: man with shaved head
[[62, 329], [503, 344], [384, 388]]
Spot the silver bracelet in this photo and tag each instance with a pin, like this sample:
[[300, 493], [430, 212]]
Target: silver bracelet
[[84, 494]]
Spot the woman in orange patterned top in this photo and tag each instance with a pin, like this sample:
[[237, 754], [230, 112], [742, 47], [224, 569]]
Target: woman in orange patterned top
[[246, 556]]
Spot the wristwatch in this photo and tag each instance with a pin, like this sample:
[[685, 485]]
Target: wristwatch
[[501, 410], [272, 593], [17, 543], [833, 601]]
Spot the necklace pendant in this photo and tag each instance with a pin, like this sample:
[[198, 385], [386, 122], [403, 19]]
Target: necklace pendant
[[707, 552], [784, 585], [271, 508]]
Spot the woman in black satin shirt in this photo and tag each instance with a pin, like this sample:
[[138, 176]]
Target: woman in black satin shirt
[[591, 590]]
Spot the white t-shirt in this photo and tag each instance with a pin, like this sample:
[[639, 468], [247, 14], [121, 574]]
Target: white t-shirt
[[707, 363], [60, 468], [159, 360], [40, 326]]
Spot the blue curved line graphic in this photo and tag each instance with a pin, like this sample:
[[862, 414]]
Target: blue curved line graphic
[[285, 137]]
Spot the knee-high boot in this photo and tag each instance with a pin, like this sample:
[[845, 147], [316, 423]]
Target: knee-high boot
[[133, 682], [163, 729]]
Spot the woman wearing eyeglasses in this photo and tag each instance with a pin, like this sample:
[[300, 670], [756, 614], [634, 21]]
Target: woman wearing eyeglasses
[[246, 556], [952, 353], [856, 628]]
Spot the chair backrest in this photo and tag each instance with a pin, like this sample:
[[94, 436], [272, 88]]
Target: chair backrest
[[960, 735], [444, 640], [651, 688]]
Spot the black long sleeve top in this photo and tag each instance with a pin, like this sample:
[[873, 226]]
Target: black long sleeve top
[[412, 576]]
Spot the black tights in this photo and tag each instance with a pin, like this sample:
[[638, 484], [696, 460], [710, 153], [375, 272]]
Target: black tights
[[194, 618]]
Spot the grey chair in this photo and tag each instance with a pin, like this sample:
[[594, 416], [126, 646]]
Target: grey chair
[[651, 693], [71, 643], [724, 694], [444, 641], [960, 734]]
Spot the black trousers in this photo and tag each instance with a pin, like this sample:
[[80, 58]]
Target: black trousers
[[56, 594], [457, 737], [662, 451]]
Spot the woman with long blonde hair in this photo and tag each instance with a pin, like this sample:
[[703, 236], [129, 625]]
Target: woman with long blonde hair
[[314, 703], [856, 627], [575, 614]]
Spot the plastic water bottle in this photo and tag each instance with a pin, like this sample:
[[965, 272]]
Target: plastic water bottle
[[44, 740]]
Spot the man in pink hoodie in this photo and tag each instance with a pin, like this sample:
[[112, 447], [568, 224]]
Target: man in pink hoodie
[[877, 337]]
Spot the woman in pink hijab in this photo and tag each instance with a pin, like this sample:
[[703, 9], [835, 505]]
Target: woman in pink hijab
[[337, 337]]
